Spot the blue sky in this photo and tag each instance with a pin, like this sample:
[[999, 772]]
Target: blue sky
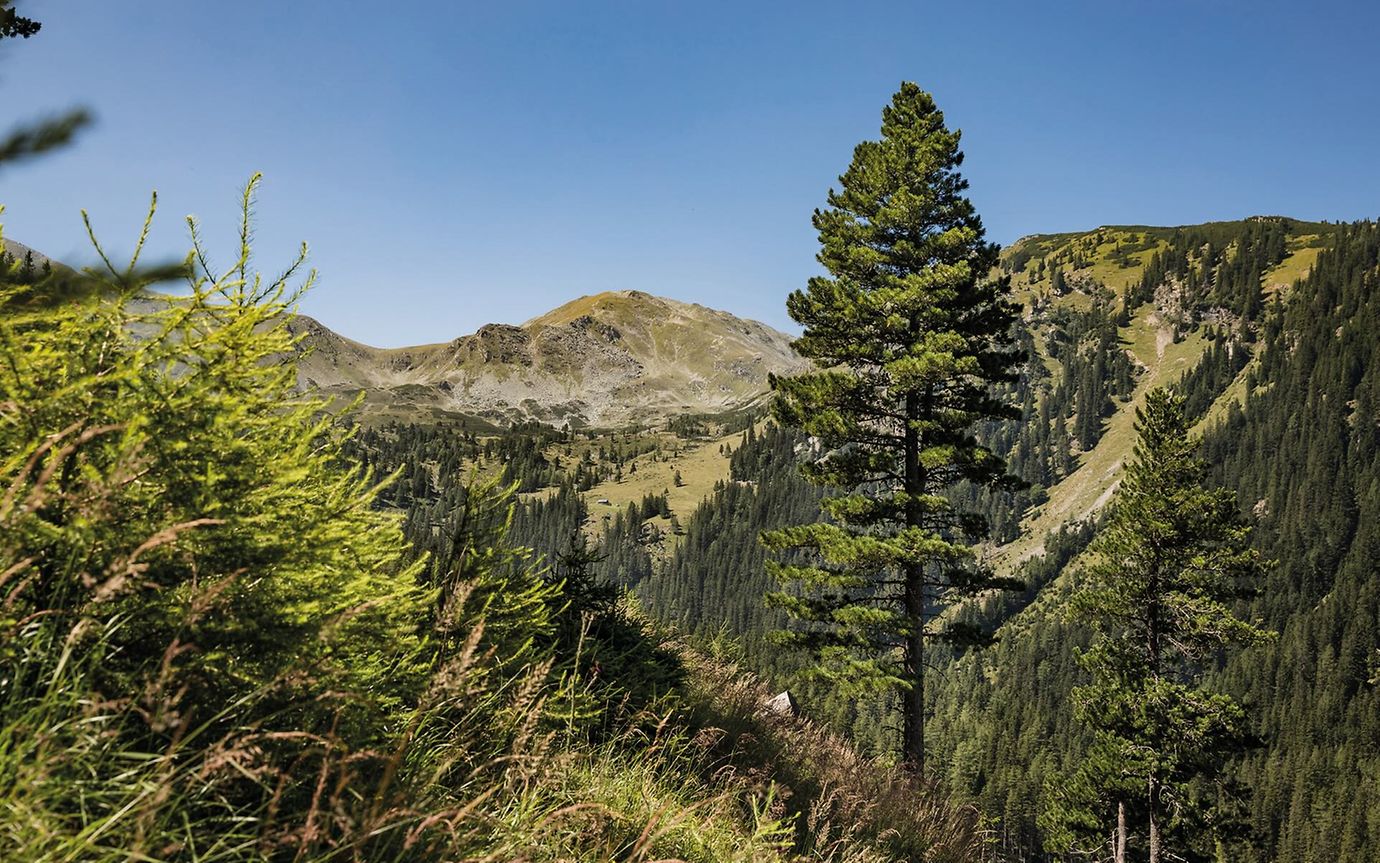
[[455, 163]]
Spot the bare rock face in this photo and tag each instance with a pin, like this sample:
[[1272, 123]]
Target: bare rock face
[[589, 324], [501, 344], [604, 360]]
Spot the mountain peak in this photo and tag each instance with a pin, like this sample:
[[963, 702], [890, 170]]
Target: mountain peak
[[606, 305], [610, 358]]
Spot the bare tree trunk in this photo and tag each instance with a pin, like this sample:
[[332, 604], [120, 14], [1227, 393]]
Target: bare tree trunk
[[1120, 852]]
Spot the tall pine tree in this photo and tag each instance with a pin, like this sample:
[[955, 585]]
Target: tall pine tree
[[908, 335], [1166, 570]]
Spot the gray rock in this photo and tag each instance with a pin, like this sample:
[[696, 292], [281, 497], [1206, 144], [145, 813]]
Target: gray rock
[[782, 704]]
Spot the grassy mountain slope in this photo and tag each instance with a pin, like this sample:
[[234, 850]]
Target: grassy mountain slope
[[1084, 492], [1117, 255], [19, 253], [1113, 260], [1110, 314], [214, 646], [1280, 376]]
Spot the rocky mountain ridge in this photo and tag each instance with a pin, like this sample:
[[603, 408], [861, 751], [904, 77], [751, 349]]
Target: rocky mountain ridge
[[609, 359]]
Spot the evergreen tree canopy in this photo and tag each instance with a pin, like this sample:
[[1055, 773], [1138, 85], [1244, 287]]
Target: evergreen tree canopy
[[1172, 558], [908, 336]]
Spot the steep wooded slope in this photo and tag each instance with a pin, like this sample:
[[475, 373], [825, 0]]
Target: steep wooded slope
[[1282, 378], [1292, 423]]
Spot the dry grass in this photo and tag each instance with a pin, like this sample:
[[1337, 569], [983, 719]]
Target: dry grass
[[842, 806]]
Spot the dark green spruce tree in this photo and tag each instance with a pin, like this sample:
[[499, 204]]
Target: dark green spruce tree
[[1159, 592], [908, 336]]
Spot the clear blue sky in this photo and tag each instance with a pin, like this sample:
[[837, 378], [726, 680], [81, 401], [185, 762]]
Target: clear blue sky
[[454, 163]]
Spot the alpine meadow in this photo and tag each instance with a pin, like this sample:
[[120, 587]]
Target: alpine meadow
[[982, 546]]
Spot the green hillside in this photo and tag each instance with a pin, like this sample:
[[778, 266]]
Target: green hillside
[[1308, 400], [1117, 255], [220, 640], [1247, 364]]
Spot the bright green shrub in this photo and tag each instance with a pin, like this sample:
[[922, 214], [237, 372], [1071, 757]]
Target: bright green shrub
[[183, 566], [162, 470]]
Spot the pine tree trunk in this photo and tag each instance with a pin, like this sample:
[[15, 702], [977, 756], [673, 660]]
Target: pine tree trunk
[[915, 672], [1155, 843], [1120, 832], [914, 698], [1152, 628]]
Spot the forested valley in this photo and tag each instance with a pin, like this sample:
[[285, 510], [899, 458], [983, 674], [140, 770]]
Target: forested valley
[[1284, 386]]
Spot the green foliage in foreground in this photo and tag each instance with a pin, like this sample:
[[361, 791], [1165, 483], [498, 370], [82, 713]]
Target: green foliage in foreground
[[193, 599], [215, 646]]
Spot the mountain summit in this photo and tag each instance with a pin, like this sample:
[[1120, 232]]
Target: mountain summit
[[609, 359]]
